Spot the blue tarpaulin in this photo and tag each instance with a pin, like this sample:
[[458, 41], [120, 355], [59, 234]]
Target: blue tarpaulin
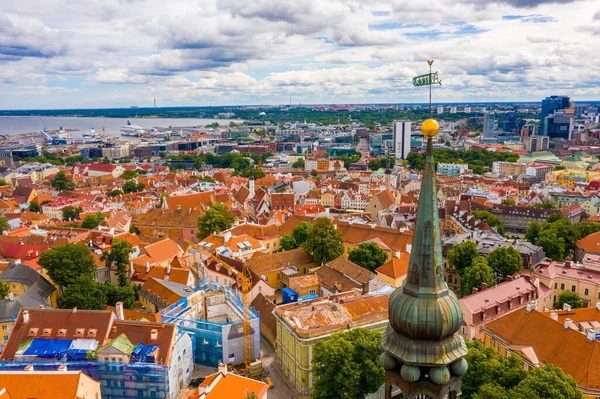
[[48, 348], [144, 353]]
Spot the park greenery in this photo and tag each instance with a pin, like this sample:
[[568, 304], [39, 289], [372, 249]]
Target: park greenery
[[476, 275], [321, 239], [491, 376], [216, 219], [557, 236], [346, 365], [479, 161], [66, 263], [368, 255]]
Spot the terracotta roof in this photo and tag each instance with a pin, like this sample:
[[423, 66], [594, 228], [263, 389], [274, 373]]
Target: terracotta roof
[[264, 308], [257, 231], [386, 199], [306, 281], [169, 218], [395, 267], [279, 260], [590, 244], [242, 194], [159, 251], [137, 315], [553, 344], [102, 167], [55, 319], [155, 289], [140, 332], [49, 385], [193, 201]]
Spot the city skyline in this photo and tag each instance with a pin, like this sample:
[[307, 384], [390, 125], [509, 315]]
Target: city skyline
[[128, 52]]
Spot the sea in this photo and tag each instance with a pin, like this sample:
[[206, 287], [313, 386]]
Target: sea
[[11, 125]]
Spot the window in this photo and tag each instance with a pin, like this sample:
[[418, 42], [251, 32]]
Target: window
[[586, 292], [572, 288], [312, 292], [555, 285], [268, 245], [259, 288], [562, 286], [278, 276]]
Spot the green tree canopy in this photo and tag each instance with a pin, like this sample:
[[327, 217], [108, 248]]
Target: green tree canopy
[[288, 243], [510, 202], [118, 256], [475, 275], [133, 187], [325, 242], [568, 297], [556, 236], [505, 260], [83, 293], [65, 263], [114, 294], [547, 382], [92, 221], [216, 219], [346, 365], [71, 212], [4, 290], [129, 174], [368, 255], [35, 207], [461, 255], [300, 232], [114, 193], [533, 232], [584, 229], [491, 219], [4, 226], [61, 183], [299, 164]]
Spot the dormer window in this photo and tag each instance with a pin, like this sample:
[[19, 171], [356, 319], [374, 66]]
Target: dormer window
[[32, 332], [79, 332], [61, 332], [91, 333], [46, 332]]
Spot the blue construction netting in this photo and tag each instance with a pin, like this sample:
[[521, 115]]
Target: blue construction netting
[[48, 348], [144, 353]]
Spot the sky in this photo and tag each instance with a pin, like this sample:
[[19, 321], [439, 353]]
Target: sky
[[119, 53]]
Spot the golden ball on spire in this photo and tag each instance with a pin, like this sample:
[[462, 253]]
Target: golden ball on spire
[[430, 128]]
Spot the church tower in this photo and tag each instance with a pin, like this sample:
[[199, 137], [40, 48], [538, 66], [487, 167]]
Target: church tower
[[251, 183], [423, 356]]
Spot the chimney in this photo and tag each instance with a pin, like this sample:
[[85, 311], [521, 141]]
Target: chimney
[[567, 307], [120, 313], [397, 254], [154, 334], [554, 316], [365, 287], [475, 290], [223, 369], [168, 269], [75, 310], [567, 264], [29, 367], [178, 208], [11, 296], [62, 367], [568, 323], [483, 286], [590, 334], [598, 306], [147, 267], [25, 316], [41, 306]]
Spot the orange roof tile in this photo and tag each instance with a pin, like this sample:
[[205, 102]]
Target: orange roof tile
[[396, 267], [32, 384]]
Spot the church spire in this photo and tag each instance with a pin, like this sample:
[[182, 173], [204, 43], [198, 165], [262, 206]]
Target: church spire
[[422, 353]]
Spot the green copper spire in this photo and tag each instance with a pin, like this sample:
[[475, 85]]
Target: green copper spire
[[422, 352]]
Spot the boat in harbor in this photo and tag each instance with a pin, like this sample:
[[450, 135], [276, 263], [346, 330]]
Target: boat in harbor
[[132, 130]]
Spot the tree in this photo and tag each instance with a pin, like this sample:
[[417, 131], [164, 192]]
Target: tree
[[35, 207], [554, 245], [300, 232], [65, 263], [3, 183], [71, 213], [114, 193], [505, 260], [83, 293], [584, 229], [510, 202], [115, 294], [288, 243], [325, 242], [475, 275], [570, 298], [61, 183], [129, 174], [92, 221], [533, 232], [133, 187], [118, 256], [461, 255], [4, 290], [299, 164], [547, 382], [346, 365], [251, 395], [368, 255], [314, 173], [4, 226], [492, 220], [216, 219], [491, 390]]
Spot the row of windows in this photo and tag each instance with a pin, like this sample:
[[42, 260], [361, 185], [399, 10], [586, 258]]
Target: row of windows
[[586, 291]]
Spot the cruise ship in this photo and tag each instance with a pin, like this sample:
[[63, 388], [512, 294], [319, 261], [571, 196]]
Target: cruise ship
[[132, 130]]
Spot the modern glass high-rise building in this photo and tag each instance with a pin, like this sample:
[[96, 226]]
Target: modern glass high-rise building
[[549, 105], [489, 126]]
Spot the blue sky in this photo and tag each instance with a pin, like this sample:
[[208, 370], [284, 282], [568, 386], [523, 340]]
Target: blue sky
[[118, 53]]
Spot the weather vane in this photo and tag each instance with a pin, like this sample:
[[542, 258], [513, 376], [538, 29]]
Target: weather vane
[[428, 79]]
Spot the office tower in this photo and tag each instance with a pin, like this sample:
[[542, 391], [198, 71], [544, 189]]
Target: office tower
[[402, 130], [467, 110], [536, 143], [453, 109], [549, 106], [558, 125], [440, 109], [527, 131], [508, 122], [488, 125]]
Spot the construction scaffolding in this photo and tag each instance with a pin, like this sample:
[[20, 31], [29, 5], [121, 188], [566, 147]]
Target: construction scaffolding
[[215, 320]]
